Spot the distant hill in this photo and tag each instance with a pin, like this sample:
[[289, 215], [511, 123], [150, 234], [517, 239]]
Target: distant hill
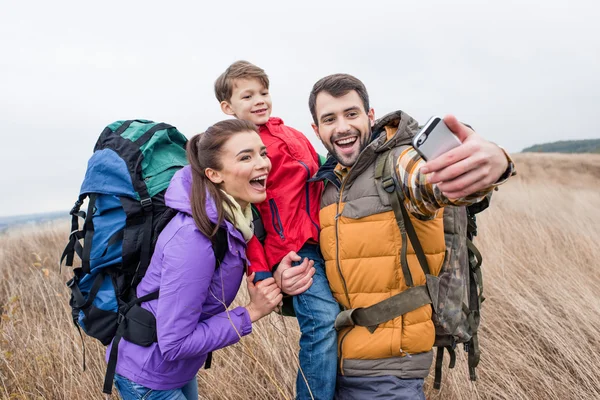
[[30, 219], [566, 146]]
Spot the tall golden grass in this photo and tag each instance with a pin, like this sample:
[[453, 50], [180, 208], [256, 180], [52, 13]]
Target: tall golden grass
[[540, 334]]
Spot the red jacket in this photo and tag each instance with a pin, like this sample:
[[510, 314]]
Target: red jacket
[[290, 214]]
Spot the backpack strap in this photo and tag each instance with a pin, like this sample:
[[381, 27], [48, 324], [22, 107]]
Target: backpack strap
[[259, 227], [439, 358], [142, 140], [122, 331], [88, 228], [475, 288], [475, 260], [75, 235], [220, 246], [384, 170], [124, 126], [473, 314], [146, 249], [86, 233], [385, 310]]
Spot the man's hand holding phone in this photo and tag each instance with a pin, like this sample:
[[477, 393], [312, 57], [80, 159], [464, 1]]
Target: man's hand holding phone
[[472, 166]]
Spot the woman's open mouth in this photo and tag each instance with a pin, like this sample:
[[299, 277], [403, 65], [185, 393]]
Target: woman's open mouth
[[259, 183]]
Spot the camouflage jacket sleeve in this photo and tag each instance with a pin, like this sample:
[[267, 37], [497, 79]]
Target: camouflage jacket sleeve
[[424, 199]]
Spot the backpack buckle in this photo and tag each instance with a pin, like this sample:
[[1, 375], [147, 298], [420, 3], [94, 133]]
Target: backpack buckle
[[71, 282], [146, 203], [389, 185]]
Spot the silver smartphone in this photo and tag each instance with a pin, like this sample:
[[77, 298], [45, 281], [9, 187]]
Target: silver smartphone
[[434, 139]]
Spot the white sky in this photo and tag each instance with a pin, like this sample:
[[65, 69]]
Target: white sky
[[521, 72]]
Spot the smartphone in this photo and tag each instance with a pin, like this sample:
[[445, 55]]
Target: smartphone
[[434, 139]]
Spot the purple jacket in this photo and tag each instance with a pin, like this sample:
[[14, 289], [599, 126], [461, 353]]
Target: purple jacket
[[191, 319]]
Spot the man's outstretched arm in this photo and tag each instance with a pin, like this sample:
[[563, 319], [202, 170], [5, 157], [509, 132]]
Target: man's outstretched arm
[[462, 176]]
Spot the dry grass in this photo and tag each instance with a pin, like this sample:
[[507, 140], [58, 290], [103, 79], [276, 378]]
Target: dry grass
[[540, 335]]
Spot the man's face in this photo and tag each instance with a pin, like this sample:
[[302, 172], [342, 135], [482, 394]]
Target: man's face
[[343, 125]]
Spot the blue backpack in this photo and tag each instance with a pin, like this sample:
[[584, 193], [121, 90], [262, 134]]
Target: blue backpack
[[125, 183]]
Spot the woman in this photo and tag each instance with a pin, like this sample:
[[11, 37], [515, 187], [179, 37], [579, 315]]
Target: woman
[[227, 172]]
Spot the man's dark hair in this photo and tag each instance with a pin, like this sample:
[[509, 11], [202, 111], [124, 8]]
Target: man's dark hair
[[337, 85]]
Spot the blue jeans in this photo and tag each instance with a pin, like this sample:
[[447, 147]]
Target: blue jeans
[[316, 310], [130, 390]]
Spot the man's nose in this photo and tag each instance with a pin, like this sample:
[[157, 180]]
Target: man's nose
[[342, 125]]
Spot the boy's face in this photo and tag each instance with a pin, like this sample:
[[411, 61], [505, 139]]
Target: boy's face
[[250, 101]]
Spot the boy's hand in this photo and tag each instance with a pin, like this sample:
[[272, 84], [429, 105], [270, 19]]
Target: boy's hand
[[294, 280], [468, 168]]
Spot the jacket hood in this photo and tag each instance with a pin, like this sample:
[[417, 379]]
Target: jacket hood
[[179, 193], [178, 197], [405, 126]]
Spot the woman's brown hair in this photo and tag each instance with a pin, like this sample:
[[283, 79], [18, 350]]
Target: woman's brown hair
[[204, 150]]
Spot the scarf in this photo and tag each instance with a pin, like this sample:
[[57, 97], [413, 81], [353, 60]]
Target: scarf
[[243, 218]]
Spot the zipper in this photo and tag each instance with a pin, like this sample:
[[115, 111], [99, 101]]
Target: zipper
[[337, 257], [307, 194], [276, 219], [337, 238], [337, 244]]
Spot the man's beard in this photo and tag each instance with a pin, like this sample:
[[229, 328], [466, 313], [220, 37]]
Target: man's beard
[[345, 161]]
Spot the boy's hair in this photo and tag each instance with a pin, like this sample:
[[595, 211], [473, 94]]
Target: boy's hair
[[337, 85], [238, 70]]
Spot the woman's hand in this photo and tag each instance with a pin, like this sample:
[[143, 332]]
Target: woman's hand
[[294, 280], [265, 296]]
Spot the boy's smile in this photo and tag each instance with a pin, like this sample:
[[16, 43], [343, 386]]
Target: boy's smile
[[250, 101]]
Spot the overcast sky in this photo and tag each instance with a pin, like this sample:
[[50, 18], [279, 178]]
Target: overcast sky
[[521, 72]]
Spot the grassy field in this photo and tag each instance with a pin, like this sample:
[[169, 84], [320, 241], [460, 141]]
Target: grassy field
[[540, 334]]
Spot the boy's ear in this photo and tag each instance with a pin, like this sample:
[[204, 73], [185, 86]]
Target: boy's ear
[[316, 129], [371, 115], [214, 176], [226, 108]]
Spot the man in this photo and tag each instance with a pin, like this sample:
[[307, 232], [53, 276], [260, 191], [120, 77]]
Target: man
[[361, 242]]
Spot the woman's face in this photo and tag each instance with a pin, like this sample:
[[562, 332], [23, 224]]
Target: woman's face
[[245, 167]]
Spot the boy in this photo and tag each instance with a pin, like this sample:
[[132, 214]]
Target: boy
[[290, 215]]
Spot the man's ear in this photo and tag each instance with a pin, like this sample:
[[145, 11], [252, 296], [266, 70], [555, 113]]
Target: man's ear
[[316, 129], [371, 115], [214, 176], [226, 108]]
